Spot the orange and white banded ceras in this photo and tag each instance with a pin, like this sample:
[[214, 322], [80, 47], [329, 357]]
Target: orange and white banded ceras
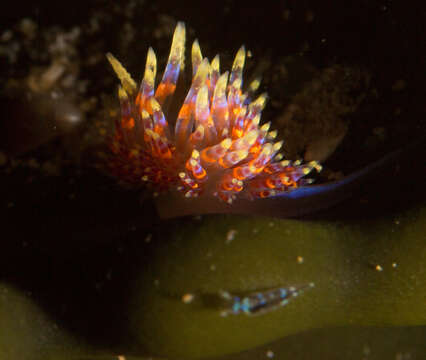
[[213, 145]]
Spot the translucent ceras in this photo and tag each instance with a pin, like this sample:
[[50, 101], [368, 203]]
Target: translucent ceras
[[212, 145]]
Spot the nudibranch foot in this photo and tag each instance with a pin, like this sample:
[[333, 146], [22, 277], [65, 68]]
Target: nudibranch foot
[[215, 146]]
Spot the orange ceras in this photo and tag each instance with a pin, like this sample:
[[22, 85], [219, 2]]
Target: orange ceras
[[213, 145]]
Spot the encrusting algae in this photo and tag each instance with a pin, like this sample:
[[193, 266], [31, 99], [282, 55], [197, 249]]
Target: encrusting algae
[[216, 147]]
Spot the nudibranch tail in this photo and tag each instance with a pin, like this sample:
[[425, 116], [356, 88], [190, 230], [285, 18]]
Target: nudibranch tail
[[258, 303], [214, 146]]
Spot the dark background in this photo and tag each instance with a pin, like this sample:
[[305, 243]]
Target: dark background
[[62, 249]]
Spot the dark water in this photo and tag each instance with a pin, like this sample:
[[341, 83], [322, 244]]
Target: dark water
[[73, 240]]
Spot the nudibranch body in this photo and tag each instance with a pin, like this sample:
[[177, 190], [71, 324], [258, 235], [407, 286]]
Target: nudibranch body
[[216, 146]]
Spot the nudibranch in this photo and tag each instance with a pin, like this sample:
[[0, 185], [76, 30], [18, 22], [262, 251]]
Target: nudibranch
[[213, 146]]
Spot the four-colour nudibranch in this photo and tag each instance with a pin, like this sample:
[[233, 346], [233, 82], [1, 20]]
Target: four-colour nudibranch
[[213, 146]]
